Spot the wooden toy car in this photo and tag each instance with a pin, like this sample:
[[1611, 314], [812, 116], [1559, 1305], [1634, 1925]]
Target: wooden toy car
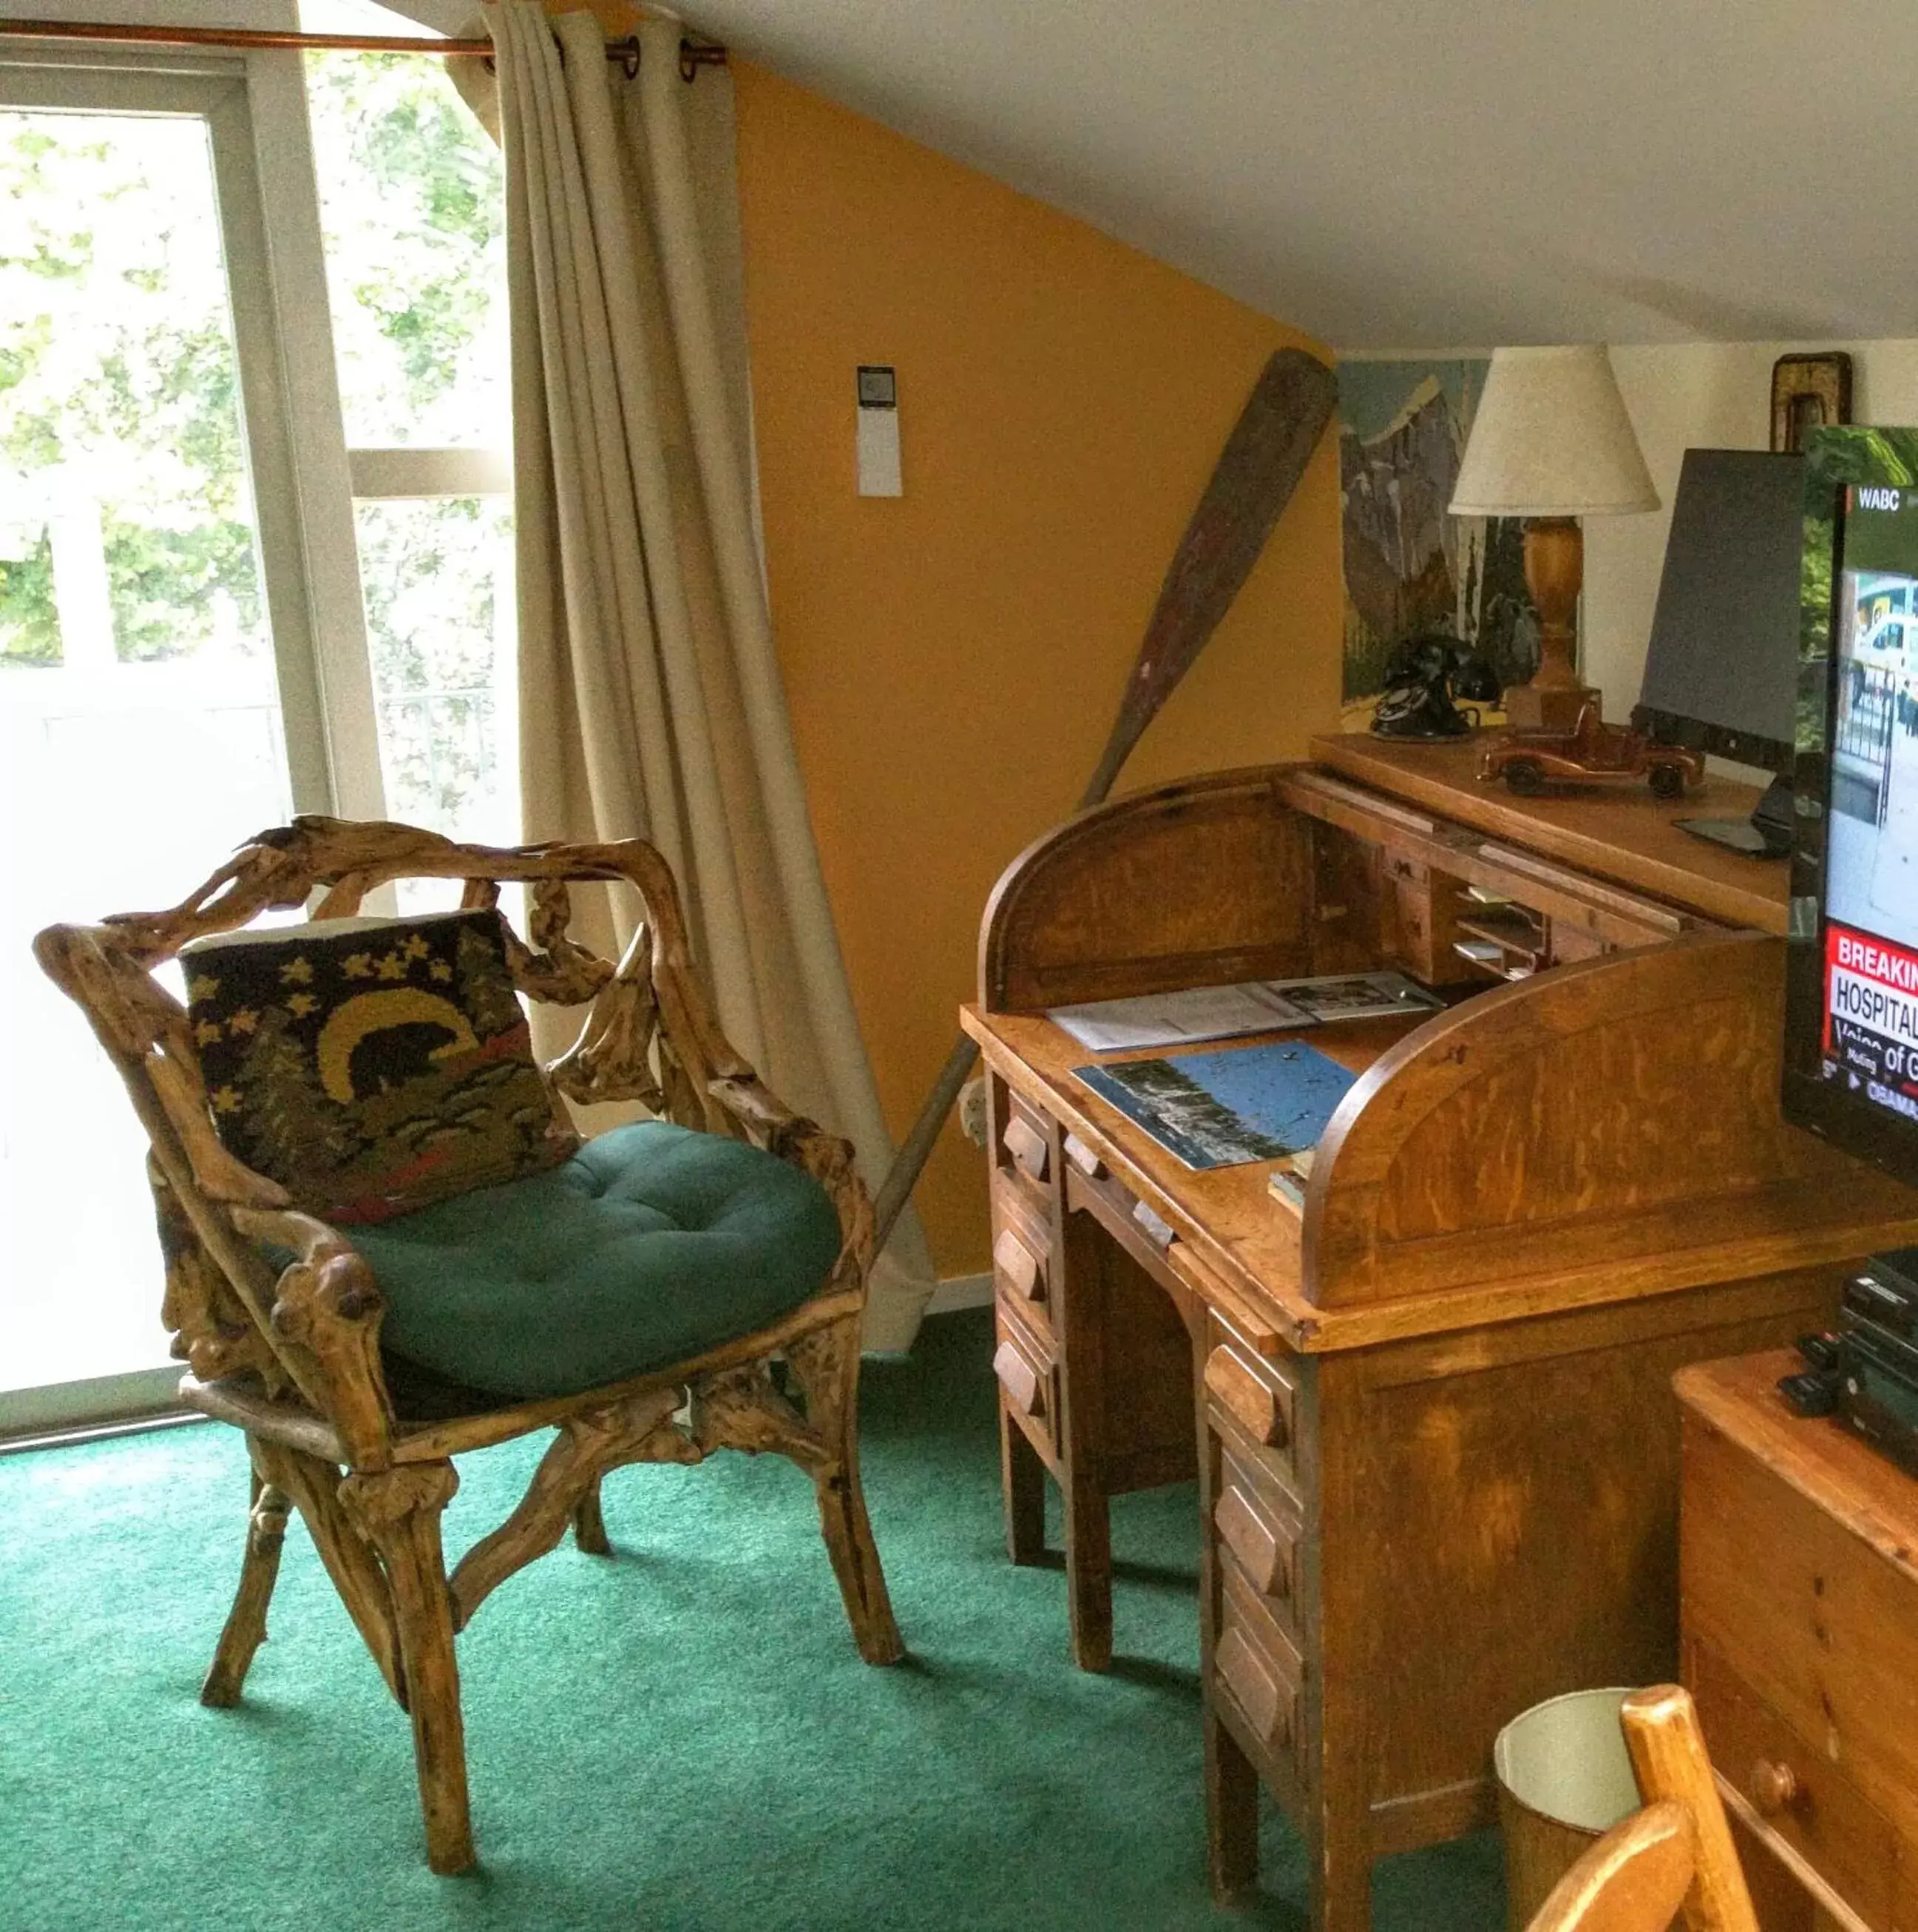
[[1593, 751]]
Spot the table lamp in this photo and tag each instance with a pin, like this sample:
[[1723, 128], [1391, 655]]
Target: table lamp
[[1551, 442]]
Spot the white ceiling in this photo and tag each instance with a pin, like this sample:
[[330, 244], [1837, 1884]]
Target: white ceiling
[[1430, 173]]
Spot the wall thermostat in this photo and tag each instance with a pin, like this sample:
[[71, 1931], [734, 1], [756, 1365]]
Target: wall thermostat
[[878, 443]]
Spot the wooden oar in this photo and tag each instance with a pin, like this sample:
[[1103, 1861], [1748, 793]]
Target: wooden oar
[[1253, 480]]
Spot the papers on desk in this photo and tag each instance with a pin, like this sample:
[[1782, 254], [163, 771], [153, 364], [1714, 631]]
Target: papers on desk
[[1196, 1013], [1222, 1108], [1171, 1019]]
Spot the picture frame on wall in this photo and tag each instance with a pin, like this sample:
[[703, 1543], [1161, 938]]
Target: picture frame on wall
[[1411, 569], [1809, 392]]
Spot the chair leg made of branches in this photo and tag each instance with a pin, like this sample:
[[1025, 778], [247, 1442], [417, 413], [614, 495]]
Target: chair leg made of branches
[[827, 1365], [398, 1512], [245, 1629], [378, 1534]]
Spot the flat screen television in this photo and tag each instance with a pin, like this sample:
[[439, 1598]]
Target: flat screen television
[[1851, 1005]]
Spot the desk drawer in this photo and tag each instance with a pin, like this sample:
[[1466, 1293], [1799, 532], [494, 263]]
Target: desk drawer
[[1025, 1142], [1822, 1628], [1020, 1269], [1252, 1404], [1028, 1378], [1025, 1154], [1424, 928], [1256, 1664], [1801, 1797], [1257, 1533], [1092, 1188], [1022, 1260]]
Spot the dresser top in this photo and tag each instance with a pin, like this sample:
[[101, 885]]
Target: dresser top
[[1866, 1492], [1615, 831]]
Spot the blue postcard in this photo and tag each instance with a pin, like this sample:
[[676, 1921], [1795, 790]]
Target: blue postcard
[[1221, 1109]]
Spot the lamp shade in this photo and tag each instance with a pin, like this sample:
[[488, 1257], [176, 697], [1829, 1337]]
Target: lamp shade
[[1552, 438]]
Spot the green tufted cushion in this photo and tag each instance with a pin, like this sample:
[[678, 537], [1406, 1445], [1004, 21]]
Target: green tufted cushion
[[651, 1244]]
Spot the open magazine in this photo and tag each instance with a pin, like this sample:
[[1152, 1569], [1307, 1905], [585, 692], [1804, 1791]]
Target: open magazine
[[1195, 1013]]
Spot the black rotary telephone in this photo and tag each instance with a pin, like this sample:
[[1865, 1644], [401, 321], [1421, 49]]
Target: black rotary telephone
[[1425, 680]]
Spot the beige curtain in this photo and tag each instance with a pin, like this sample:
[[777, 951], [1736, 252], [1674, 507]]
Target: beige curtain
[[650, 698]]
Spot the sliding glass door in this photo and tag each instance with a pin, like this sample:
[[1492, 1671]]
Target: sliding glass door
[[184, 617]]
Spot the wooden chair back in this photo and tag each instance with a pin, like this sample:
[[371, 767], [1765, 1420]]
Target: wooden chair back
[[1675, 1859]]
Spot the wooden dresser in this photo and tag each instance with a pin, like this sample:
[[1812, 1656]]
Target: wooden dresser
[[1430, 1407], [1798, 1612]]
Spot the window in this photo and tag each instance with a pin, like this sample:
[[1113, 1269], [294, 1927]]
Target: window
[[255, 552], [412, 214]]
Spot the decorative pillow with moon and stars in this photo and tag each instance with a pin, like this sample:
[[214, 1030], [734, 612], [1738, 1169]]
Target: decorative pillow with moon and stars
[[372, 1066]]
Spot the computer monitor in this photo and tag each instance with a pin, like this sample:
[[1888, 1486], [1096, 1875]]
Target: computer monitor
[[1721, 671], [1851, 980]]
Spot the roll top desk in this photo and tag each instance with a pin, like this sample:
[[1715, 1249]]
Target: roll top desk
[[1430, 1410]]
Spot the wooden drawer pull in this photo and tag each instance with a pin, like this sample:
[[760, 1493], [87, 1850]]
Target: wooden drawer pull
[[1256, 1408], [1018, 1265], [1260, 1694], [1082, 1157], [1774, 1787], [1157, 1230], [1027, 1145], [1264, 1558], [1020, 1380]]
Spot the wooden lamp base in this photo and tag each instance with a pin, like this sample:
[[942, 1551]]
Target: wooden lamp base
[[1554, 570]]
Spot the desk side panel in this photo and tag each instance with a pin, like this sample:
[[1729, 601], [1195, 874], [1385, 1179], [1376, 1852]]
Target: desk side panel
[[1614, 1112], [1498, 1524], [1202, 883]]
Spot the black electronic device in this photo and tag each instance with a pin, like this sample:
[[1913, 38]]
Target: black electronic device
[[1851, 977], [1866, 1372], [1720, 672], [1425, 682]]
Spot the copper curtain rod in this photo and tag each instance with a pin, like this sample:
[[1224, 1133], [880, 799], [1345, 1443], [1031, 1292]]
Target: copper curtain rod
[[692, 55]]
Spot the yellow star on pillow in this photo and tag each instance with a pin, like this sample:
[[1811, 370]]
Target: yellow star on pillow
[[300, 1004], [357, 966], [226, 1099], [297, 972], [416, 948], [392, 967]]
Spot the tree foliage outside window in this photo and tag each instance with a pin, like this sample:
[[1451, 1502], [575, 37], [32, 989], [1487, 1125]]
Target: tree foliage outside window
[[412, 202], [118, 374], [413, 209], [119, 386], [432, 569]]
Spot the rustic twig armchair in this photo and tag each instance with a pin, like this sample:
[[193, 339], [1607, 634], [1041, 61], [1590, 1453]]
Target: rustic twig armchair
[[290, 1351]]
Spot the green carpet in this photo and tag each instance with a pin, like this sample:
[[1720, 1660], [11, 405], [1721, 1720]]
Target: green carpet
[[682, 1739]]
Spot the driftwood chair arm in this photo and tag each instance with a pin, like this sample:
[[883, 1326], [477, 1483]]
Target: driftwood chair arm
[[327, 1305], [754, 1113]]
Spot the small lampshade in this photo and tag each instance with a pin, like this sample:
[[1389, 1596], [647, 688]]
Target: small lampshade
[[1552, 438]]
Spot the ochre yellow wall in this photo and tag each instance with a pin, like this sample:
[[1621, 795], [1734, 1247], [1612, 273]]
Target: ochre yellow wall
[[953, 659]]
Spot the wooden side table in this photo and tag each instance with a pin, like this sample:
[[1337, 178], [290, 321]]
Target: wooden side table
[[1799, 1616]]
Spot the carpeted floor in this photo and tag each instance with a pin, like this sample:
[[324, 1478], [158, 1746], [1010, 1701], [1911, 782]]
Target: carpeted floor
[[681, 1740]]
